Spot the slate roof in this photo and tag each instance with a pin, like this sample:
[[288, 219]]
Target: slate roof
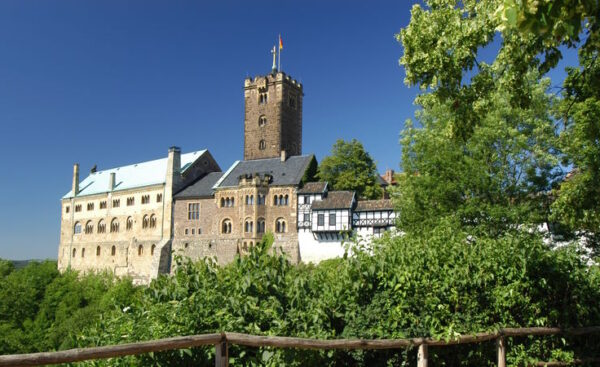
[[132, 176], [370, 205], [285, 173], [335, 200], [313, 188], [202, 188]]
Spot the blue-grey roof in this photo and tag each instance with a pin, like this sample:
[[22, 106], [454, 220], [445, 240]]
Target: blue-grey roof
[[288, 172], [132, 176], [201, 188]]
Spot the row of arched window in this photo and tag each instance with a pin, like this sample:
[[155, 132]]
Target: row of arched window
[[148, 221], [227, 202], [113, 251], [260, 199], [280, 226], [280, 200]]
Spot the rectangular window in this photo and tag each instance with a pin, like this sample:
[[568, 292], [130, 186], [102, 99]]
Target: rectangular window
[[193, 231], [103, 204], [67, 209], [130, 201], [320, 219], [186, 231], [306, 217], [199, 231], [116, 203], [158, 198], [332, 219], [194, 211]]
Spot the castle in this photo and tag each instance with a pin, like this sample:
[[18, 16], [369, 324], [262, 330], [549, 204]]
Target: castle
[[133, 219]]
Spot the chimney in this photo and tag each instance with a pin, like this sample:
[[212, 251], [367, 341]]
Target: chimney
[[283, 156], [111, 181], [75, 186], [174, 165]]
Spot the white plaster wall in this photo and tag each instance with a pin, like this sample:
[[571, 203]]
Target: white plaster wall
[[314, 251]]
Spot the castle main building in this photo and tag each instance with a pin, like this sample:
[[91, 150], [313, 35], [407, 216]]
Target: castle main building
[[131, 220]]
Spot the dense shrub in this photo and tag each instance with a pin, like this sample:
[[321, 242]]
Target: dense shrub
[[440, 284]]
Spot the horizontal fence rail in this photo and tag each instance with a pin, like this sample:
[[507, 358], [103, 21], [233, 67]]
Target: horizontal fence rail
[[223, 339]]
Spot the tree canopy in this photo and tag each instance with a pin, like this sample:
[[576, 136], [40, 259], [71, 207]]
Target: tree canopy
[[490, 144], [350, 167]]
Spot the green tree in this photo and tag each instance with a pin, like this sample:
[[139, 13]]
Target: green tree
[[483, 146], [350, 167]]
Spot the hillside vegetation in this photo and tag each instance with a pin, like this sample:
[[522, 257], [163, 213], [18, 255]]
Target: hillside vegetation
[[441, 284]]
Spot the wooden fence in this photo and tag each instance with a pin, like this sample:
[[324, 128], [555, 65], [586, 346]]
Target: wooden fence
[[222, 340]]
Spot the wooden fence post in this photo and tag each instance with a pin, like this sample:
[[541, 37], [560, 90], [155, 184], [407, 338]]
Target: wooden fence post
[[422, 356], [501, 352], [222, 354]]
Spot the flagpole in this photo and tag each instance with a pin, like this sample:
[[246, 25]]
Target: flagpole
[[279, 57]]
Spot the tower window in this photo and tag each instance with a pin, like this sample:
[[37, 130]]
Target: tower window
[[292, 102], [262, 145], [262, 120], [260, 225], [263, 98], [152, 249]]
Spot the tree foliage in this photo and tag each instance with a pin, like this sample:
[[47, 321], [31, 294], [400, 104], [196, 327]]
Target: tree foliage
[[490, 143], [350, 167]]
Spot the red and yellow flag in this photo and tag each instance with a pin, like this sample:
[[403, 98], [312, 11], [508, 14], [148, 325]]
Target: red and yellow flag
[[280, 43]]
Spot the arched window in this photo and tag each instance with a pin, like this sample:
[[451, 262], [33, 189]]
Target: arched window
[[83, 252], [281, 200], [227, 202], [77, 228], [89, 227], [114, 225], [262, 121], [226, 226], [153, 221], [98, 251], [101, 226], [275, 200], [222, 202], [280, 225], [248, 226], [152, 250], [113, 251], [262, 145], [74, 252], [231, 202], [251, 199], [263, 98], [145, 221], [129, 224], [140, 250], [260, 225]]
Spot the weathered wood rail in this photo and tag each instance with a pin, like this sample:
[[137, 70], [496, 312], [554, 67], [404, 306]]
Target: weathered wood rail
[[222, 340]]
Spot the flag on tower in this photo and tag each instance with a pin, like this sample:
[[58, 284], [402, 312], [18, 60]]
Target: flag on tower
[[280, 43]]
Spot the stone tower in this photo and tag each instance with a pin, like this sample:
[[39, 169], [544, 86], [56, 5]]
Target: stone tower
[[272, 116]]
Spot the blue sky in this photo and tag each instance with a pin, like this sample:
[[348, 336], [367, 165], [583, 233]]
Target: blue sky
[[118, 82]]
